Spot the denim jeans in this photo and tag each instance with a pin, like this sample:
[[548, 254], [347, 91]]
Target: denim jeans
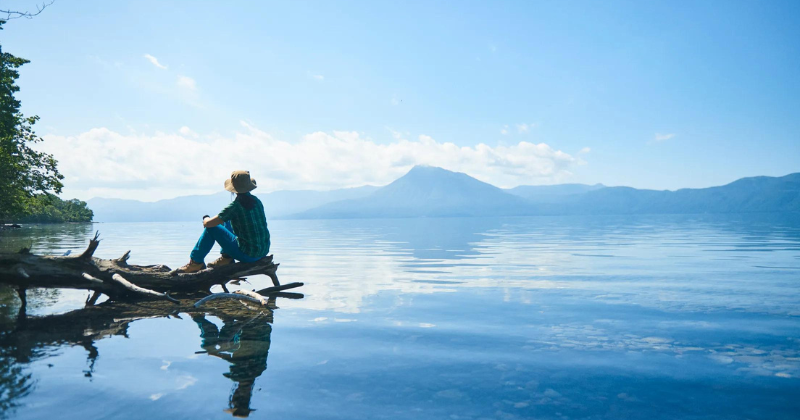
[[223, 235]]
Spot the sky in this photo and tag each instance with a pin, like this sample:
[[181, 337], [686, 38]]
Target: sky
[[156, 99]]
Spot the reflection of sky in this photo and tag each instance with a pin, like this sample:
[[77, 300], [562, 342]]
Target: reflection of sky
[[646, 317]]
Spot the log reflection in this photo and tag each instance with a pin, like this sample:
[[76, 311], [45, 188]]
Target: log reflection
[[243, 340]]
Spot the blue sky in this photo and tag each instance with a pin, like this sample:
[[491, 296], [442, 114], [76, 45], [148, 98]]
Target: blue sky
[[657, 95]]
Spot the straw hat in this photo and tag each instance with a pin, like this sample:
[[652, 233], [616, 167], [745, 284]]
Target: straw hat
[[240, 182]]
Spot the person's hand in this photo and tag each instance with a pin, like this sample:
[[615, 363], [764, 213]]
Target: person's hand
[[209, 222]]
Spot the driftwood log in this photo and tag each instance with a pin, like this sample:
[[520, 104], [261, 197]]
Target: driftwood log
[[116, 278]]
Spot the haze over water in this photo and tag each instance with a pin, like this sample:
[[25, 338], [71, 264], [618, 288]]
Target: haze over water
[[462, 318]]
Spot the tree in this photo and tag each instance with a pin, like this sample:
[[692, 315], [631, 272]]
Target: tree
[[47, 208], [24, 172]]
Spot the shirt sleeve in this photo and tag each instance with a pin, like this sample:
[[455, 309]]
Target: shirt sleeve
[[227, 213]]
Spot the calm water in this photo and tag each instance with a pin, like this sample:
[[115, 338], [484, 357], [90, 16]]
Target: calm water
[[551, 318]]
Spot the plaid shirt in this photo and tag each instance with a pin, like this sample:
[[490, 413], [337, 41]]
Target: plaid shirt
[[249, 226]]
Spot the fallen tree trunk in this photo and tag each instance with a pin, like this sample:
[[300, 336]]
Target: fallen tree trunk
[[115, 277]]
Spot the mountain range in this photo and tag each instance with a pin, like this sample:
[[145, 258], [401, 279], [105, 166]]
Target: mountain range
[[435, 192]]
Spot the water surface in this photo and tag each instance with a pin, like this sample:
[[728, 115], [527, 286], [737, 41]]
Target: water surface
[[462, 318]]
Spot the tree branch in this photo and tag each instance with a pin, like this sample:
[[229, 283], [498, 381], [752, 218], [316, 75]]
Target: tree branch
[[141, 290], [13, 14]]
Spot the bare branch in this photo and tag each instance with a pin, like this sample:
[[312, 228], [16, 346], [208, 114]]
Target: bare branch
[[124, 258], [269, 290], [253, 295], [91, 300], [13, 14], [141, 290], [91, 278], [93, 243]]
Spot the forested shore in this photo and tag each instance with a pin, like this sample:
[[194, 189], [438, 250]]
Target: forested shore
[[29, 178]]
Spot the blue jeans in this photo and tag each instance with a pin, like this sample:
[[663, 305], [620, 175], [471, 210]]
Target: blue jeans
[[223, 235]]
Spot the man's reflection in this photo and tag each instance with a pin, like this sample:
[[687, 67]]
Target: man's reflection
[[244, 343]]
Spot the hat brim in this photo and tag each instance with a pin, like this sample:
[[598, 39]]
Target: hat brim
[[247, 188]]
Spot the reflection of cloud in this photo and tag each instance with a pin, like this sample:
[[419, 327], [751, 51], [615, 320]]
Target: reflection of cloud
[[451, 394], [185, 381], [156, 397], [778, 362]]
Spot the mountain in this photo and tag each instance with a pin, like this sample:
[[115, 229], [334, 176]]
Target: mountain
[[551, 193], [188, 208], [435, 192], [426, 191], [760, 194]]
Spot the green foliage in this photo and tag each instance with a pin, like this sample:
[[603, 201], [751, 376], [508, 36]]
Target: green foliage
[[47, 208], [24, 171]]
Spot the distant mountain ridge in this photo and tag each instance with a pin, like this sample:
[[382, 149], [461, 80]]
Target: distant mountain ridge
[[760, 194], [552, 193], [426, 191], [435, 192]]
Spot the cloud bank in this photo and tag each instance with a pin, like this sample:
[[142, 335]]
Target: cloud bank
[[101, 162]]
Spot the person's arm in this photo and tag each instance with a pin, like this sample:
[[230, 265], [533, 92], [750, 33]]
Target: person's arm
[[210, 222], [224, 216]]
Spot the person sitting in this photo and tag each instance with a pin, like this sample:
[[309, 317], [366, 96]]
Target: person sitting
[[240, 229]]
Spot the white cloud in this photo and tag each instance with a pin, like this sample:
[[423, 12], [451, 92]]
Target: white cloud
[[663, 137], [398, 135], [318, 77], [504, 130], [188, 132], [155, 62], [524, 128], [395, 101], [187, 83], [585, 150], [101, 162]]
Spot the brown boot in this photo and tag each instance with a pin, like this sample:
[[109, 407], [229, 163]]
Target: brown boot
[[223, 259], [192, 267]]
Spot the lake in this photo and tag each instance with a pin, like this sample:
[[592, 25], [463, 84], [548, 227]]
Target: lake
[[640, 317]]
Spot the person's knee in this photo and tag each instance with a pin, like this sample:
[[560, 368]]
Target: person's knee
[[220, 234]]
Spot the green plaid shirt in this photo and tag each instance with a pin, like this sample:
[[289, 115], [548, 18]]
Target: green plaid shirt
[[249, 226]]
